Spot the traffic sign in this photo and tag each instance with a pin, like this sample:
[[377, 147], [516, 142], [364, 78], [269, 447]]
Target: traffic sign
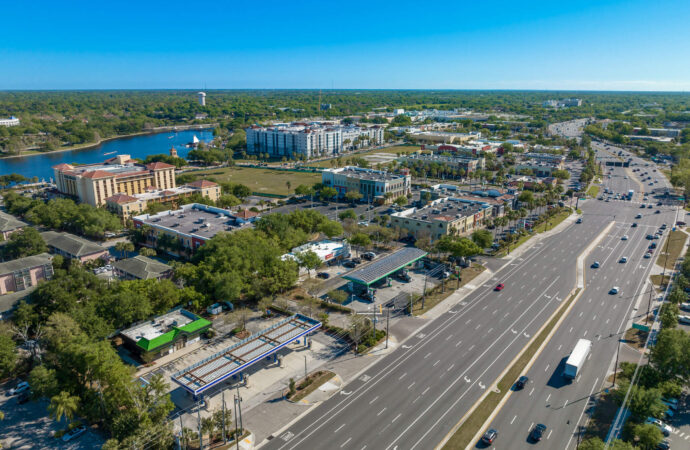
[[639, 326]]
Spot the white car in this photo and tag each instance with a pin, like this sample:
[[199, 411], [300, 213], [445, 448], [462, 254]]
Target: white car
[[614, 290], [685, 320], [21, 387], [666, 429], [624, 238], [74, 433]]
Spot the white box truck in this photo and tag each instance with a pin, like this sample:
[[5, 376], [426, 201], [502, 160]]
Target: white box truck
[[577, 358]]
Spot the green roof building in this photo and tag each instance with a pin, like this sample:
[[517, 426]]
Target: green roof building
[[164, 334]]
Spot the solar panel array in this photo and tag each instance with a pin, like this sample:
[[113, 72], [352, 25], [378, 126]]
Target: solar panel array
[[202, 375], [386, 265]]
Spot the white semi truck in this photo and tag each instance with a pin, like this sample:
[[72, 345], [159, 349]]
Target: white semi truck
[[577, 358]]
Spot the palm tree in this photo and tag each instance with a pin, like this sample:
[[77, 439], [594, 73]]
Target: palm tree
[[208, 426], [63, 405]]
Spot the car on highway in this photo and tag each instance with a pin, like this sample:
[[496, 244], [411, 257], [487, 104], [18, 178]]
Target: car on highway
[[499, 287], [596, 265], [649, 237], [665, 428], [657, 212], [537, 432], [521, 382], [623, 260], [647, 255], [614, 290], [624, 237], [490, 436], [74, 433], [652, 246]]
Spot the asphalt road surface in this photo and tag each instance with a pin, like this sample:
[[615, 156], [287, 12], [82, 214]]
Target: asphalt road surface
[[598, 316]]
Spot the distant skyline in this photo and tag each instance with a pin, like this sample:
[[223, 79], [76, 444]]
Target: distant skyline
[[534, 45]]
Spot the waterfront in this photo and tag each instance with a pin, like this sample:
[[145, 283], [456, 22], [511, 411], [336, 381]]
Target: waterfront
[[40, 165]]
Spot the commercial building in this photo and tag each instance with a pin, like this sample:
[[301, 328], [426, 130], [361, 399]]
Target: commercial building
[[545, 157], [141, 268], [129, 205], [164, 334], [374, 185], [468, 164], [183, 230], [499, 199], [9, 224], [307, 139], [11, 122], [326, 250], [20, 274], [659, 132], [444, 137], [568, 102], [540, 168], [74, 247], [94, 183], [445, 216]]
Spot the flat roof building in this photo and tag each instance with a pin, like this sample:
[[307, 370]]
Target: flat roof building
[[94, 183], [468, 164], [164, 334], [11, 122], [374, 185], [445, 216], [326, 250], [189, 227]]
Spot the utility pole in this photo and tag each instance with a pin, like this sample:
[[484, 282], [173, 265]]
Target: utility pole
[[615, 368], [388, 317], [225, 435], [236, 436], [649, 303], [239, 407], [182, 437], [198, 418], [305, 366]]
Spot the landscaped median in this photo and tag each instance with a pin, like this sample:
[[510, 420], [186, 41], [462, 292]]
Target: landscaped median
[[299, 390], [472, 424]]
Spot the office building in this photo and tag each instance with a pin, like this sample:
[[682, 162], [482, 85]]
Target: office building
[[307, 140], [445, 216], [659, 132], [11, 122], [94, 183], [182, 231], [376, 186]]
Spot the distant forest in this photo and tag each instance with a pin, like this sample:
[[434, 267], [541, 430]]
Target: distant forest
[[52, 120]]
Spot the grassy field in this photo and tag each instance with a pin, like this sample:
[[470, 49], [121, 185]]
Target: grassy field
[[266, 181], [553, 222], [673, 245], [593, 190], [462, 438]]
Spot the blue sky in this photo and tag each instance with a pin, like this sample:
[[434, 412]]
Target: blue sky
[[584, 45]]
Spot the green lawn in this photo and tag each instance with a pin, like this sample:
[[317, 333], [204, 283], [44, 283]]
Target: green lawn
[[395, 149], [673, 244], [267, 181], [553, 221], [593, 190]]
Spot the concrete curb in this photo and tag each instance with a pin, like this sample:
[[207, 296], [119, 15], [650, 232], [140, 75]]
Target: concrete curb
[[580, 274]]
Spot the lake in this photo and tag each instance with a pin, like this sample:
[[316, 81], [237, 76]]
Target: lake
[[41, 165]]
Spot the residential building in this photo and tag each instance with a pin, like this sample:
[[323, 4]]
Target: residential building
[[141, 268], [130, 205], [540, 168], [306, 139], [11, 122], [74, 247], [189, 227], [23, 273], [9, 224], [94, 183], [468, 164], [445, 216], [164, 334], [374, 185]]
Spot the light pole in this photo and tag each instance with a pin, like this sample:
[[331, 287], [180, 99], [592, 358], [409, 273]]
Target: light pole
[[615, 368]]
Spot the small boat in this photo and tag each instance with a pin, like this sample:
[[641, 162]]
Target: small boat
[[110, 153], [194, 143], [170, 137]]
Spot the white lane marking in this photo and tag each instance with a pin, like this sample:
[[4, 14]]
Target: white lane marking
[[345, 443], [396, 417], [402, 376], [410, 386], [339, 428], [511, 422], [583, 411], [530, 392], [427, 355], [565, 404], [547, 367], [380, 412], [571, 330], [459, 342], [490, 330], [426, 390], [450, 368], [548, 397], [559, 347], [374, 399], [550, 431], [436, 363], [450, 336], [413, 401]]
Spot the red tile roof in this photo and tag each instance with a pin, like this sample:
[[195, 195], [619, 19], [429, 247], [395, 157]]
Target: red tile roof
[[159, 166], [202, 184], [62, 166], [97, 174], [246, 214], [121, 199]]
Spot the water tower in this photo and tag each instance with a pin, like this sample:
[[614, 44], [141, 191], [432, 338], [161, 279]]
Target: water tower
[[202, 98]]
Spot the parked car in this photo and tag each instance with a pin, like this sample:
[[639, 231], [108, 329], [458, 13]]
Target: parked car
[[634, 225], [357, 260], [323, 275], [490, 436], [596, 265], [369, 256], [579, 220], [624, 238], [403, 276], [74, 433], [23, 397], [623, 260], [21, 387], [666, 429], [349, 264]]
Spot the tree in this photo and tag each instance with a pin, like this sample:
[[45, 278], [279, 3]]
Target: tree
[[348, 214], [360, 240], [124, 248], [648, 435], [353, 196], [646, 402], [145, 251], [669, 355], [8, 355], [63, 405], [561, 174], [239, 317], [359, 326], [483, 238], [337, 296], [458, 246], [328, 193], [304, 190], [331, 228], [26, 242], [309, 260], [669, 315], [401, 201], [43, 381], [288, 185], [223, 423]]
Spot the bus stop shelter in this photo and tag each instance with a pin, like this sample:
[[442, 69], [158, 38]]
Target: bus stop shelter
[[385, 266]]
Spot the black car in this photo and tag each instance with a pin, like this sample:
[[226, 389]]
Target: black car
[[357, 260], [24, 397], [521, 382], [657, 212], [403, 276], [537, 432], [323, 275], [349, 264], [490, 436], [634, 225]]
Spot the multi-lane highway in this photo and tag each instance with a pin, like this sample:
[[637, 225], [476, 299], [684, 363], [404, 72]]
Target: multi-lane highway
[[597, 316]]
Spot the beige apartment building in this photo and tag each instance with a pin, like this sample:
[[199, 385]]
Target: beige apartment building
[[94, 183]]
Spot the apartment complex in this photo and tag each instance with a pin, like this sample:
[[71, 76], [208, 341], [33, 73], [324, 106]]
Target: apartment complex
[[129, 205], [74, 247], [182, 231], [374, 185], [94, 183], [9, 224], [307, 139], [445, 216], [468, 164], [23, 273]]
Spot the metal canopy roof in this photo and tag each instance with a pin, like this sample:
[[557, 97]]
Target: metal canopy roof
[[385, 266], [236, 358]]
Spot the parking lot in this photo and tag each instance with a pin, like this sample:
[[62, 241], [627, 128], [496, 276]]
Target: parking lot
[[28, 426]]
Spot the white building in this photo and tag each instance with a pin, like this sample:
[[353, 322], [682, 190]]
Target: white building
[[202, 98], [11, 122], [308, 140], [326, 250], [398, 111]]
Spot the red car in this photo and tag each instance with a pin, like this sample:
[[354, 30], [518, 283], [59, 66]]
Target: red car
[[499, 287]]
